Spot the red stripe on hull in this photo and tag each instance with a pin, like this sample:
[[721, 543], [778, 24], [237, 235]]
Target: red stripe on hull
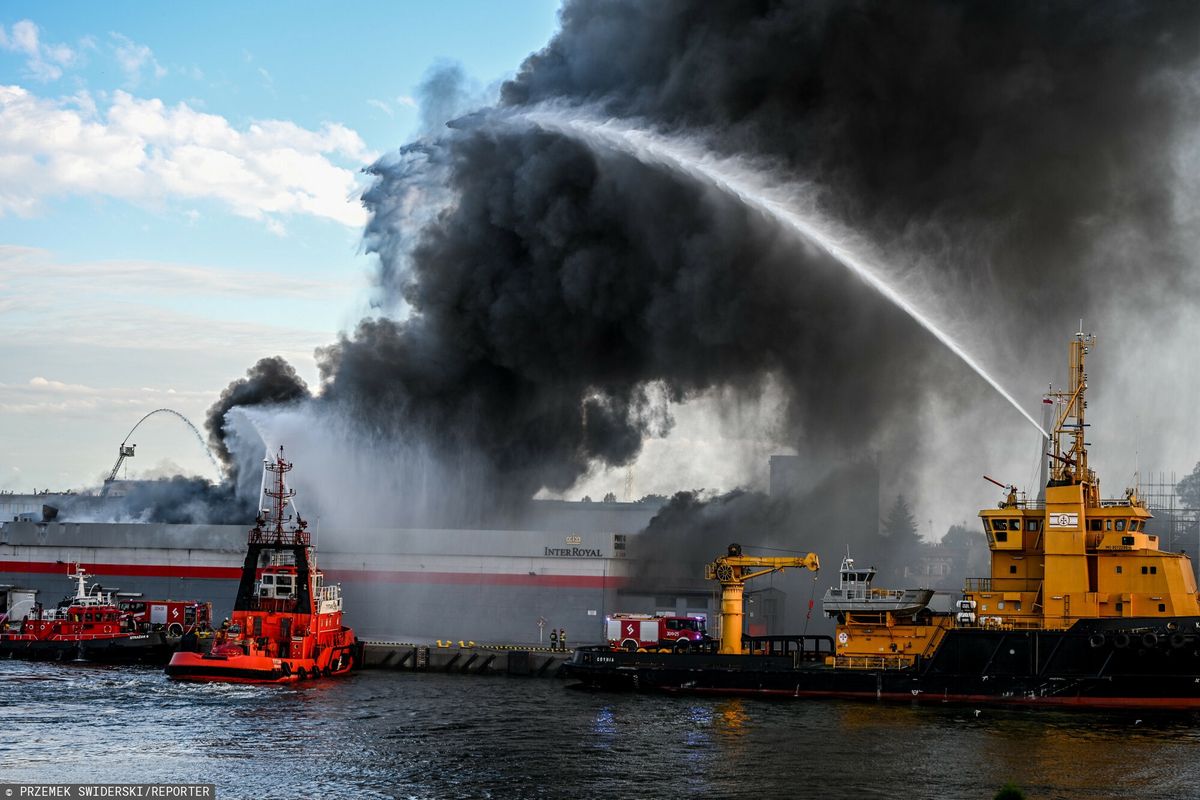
[[1165, 703], [345, 575]]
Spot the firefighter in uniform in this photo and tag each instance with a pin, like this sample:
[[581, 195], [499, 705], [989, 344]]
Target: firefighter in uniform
[[553, 639], [562, 639]]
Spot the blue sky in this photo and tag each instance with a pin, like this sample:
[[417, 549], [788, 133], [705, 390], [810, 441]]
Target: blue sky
[[178, 199]]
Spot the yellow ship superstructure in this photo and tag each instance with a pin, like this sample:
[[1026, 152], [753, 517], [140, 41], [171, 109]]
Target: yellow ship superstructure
[[1075, 556]]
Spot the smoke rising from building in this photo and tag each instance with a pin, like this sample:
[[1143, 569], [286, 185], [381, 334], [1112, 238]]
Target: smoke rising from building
[[544, 305]]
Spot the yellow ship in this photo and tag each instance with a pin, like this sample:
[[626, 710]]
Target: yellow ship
[[1082, 608]]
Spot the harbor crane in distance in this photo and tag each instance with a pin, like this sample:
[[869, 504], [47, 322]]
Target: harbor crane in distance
[[126, 451], [732, 571]]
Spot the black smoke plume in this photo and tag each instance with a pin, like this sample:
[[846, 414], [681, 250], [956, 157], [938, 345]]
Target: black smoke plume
[[272, 381], [563, 296]]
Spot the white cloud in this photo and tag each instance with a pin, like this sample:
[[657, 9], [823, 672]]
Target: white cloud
[[146, 152], [43, 394], [44, 62], [382, 106], [386, 106], [133, 58], [30, 273]]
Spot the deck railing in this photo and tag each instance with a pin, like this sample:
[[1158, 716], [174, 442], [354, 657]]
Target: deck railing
[[1001, 585], [873, 662]]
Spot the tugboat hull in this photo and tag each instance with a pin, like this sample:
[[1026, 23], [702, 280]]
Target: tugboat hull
[[242, 668], [147, 648], [1127, 663]]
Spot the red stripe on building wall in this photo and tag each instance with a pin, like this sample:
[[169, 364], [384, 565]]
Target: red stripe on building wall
[[135, 570], [344, 575], [476, 578]]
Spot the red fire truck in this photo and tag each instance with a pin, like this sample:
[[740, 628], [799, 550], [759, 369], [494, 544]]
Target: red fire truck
[[172, 616], [636, 631]]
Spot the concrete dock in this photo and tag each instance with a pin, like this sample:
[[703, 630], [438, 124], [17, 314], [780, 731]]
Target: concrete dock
[[465, 658]]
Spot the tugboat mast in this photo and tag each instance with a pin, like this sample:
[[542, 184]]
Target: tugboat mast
[[280, 494], [1071, 468]]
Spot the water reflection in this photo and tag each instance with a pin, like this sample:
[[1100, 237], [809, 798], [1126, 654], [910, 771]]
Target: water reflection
[[432, 736]]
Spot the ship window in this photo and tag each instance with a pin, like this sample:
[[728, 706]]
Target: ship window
[[1127, 540], [1120, 524], [1120, 605], [1145, 570], [1031, 526], [1162, 606], [1001, 536], [1108, 524], [1012, 569], [1133, 524], [1154, 570], [1014, 524], [1095, 523], [999, 524], [1118, 569]]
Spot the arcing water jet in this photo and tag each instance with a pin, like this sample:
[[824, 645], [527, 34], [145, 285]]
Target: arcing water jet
[[743, 183]]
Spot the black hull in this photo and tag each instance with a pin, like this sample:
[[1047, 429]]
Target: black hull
[[149, 648], [1097, 663]]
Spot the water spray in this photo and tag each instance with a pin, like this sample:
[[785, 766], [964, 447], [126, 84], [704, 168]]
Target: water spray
[[744, 183]]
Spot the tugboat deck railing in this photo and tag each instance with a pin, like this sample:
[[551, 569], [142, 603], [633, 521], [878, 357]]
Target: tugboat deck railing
[[873, 662], [1001, 585], [259, 536]]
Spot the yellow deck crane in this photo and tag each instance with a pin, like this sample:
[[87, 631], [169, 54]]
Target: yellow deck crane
[[733, 570]]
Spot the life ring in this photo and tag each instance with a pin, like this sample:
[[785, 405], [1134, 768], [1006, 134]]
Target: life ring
[[1122, 640], [108, 628], [1096, 640], [1150, 639]]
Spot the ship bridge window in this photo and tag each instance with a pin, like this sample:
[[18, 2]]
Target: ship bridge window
[[1120, 524], [1094, 524], [999, 524], [1014, 524], [1001, 536], [1108, 524]]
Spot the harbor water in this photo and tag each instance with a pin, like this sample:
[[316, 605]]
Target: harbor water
[[412, 735]]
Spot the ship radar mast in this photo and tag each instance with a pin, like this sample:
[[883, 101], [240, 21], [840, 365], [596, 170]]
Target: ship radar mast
[[279, 494], [1069, 465]]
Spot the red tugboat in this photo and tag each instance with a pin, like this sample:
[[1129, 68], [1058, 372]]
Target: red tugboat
[[90, 626], [287, 624]]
